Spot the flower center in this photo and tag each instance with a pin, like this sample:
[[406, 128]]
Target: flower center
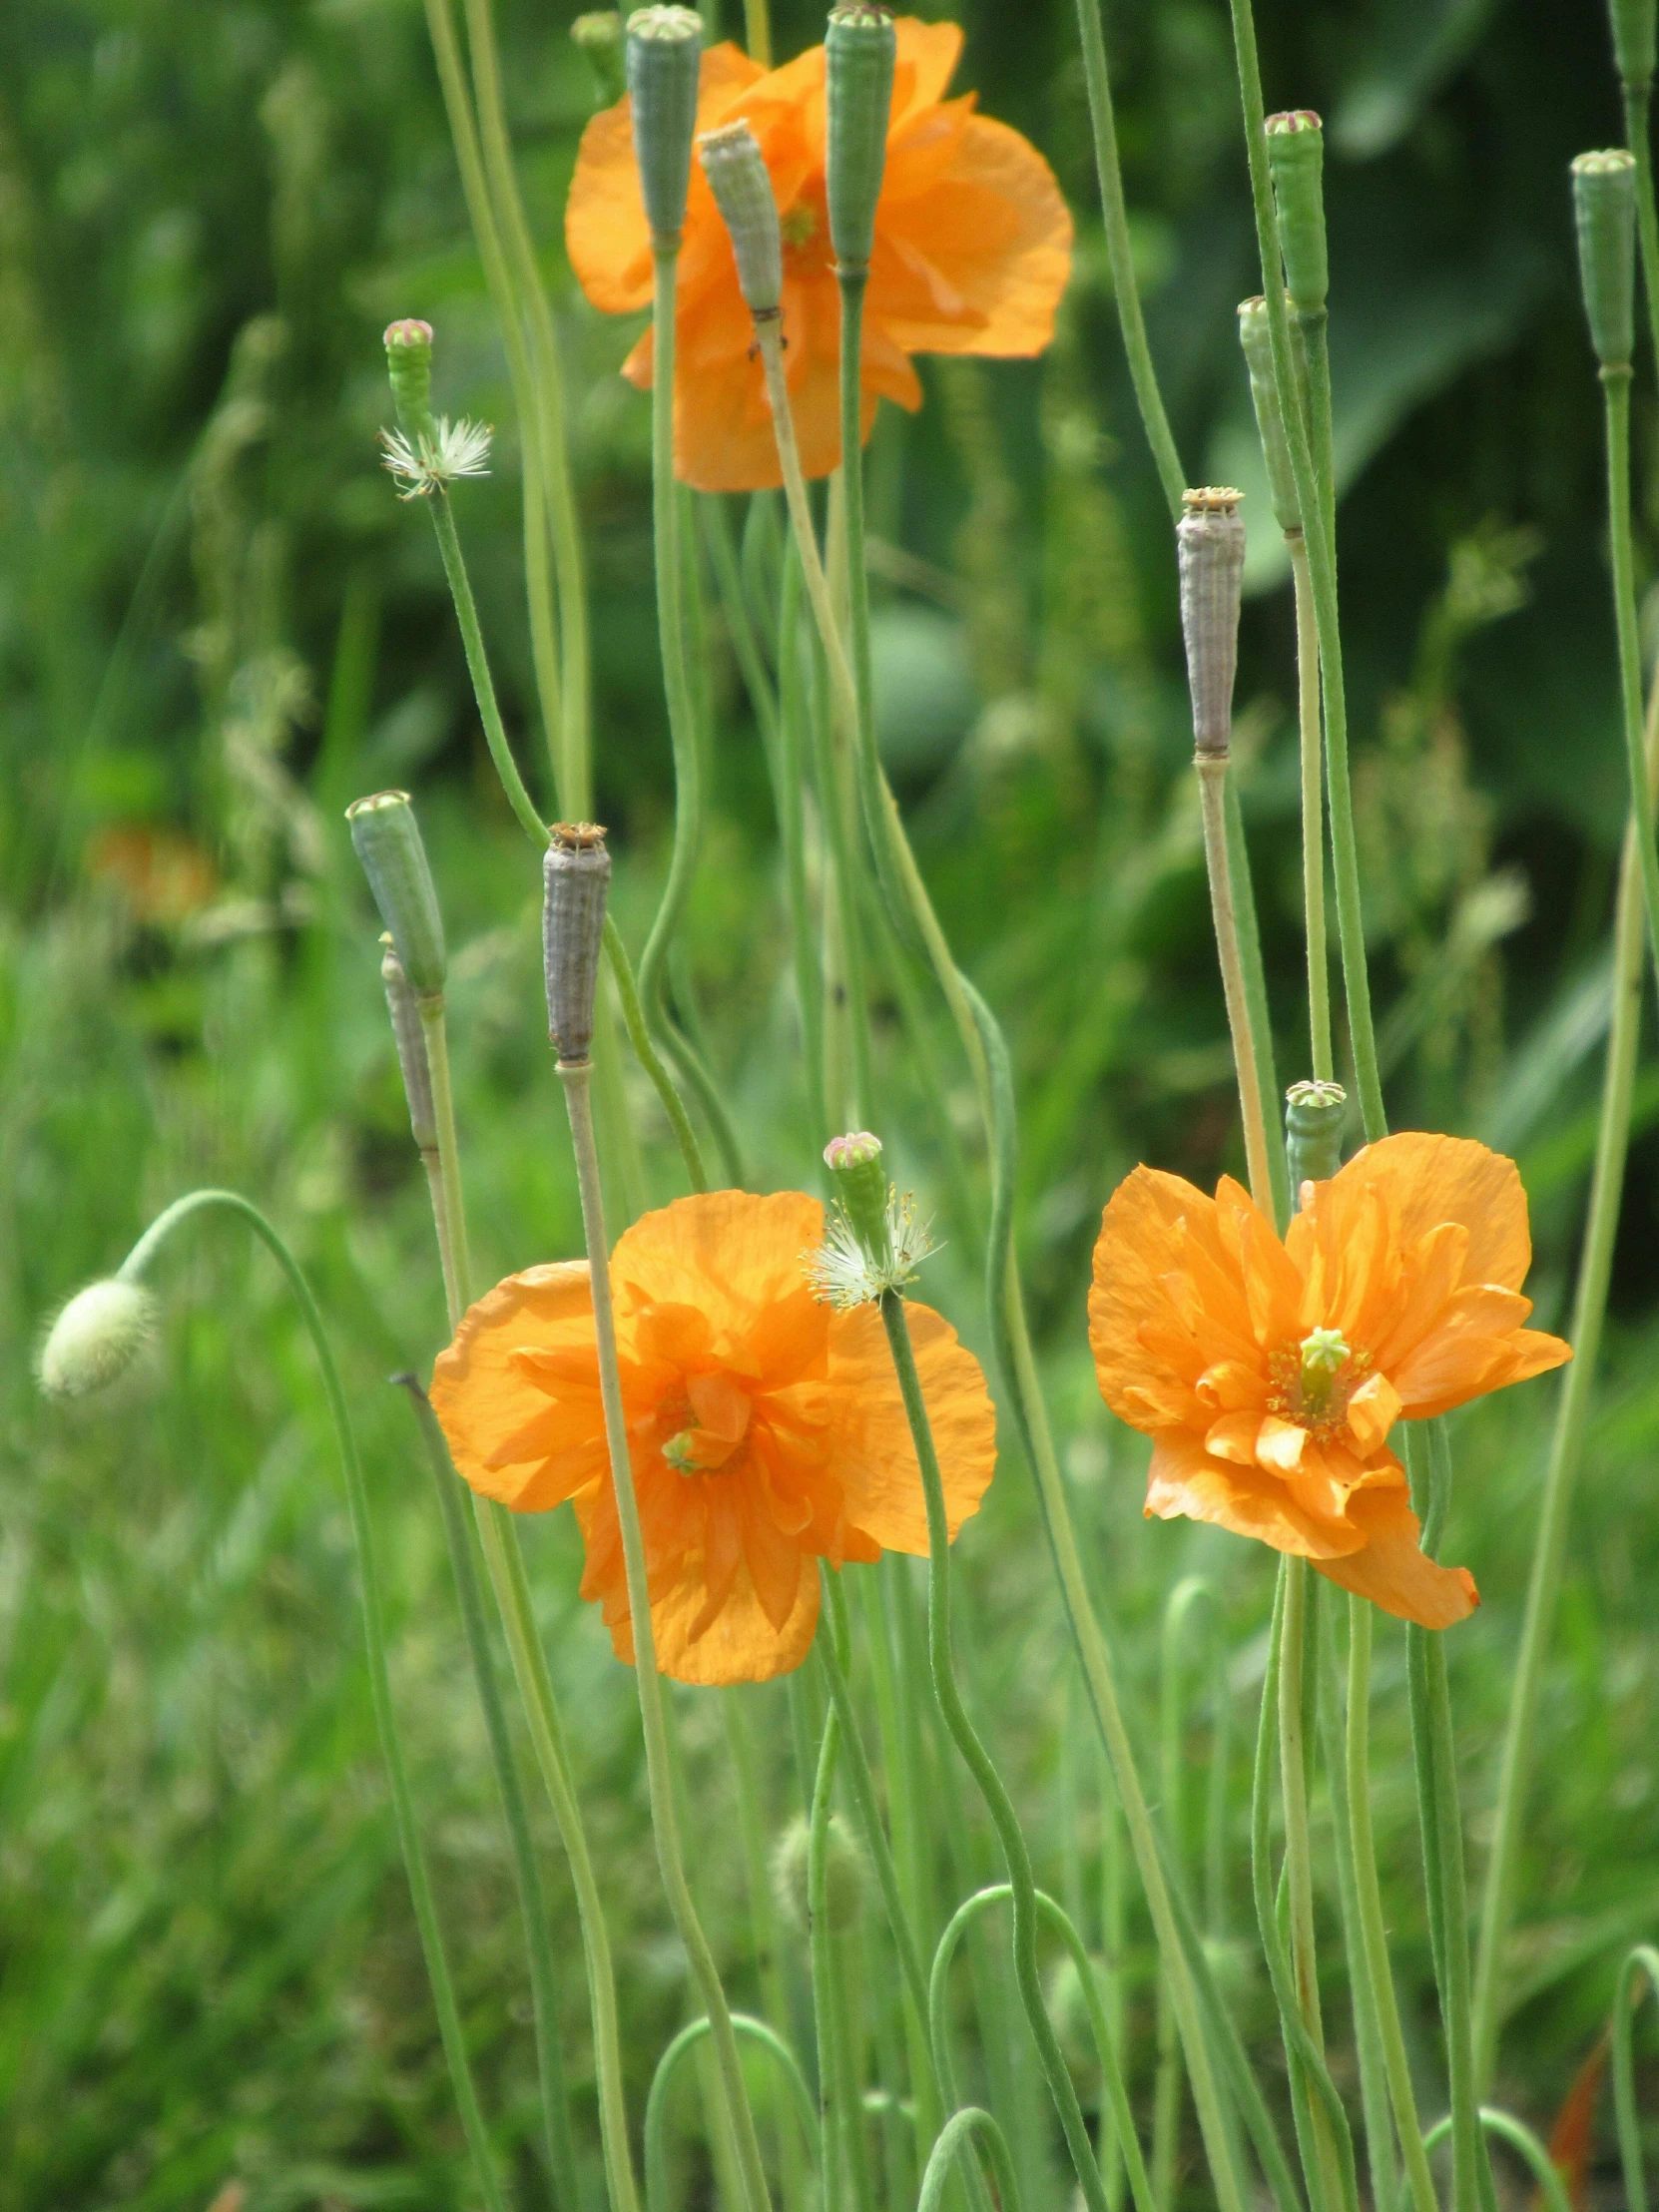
[[798, 225], [707, 1424], [1312, 1382]]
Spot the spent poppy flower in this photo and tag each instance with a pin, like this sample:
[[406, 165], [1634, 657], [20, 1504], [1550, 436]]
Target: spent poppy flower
[[767, 1430], [1269, 1373], [973, 250]]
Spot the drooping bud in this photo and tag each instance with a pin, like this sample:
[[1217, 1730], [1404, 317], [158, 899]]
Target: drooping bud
[[845, 1876], [1296, 157], [599, 37], [742, 185], [388, 842], [859, 1174], [1210, 540], [1634, 24], [576, 879], [410, 365], [1604, 202], [1313, 1117], [859, 48], [410, 1038], [664, 64], [1257, 342], [96, 1338]]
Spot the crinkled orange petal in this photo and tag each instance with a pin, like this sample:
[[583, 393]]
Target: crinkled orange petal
[[485, 1400], [1184, 1481], [726, 1255], [1426, 1179], [925, 61], [1143, 1241], [872, 1451], [1391, 1570]]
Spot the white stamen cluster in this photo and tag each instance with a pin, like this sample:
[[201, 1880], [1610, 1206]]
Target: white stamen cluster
[[845, 1273], [432, 461]]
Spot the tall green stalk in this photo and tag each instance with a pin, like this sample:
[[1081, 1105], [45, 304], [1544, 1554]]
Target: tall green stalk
[[1321, 1054], [1615, 384]]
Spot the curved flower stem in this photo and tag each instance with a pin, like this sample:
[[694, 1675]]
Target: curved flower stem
[[835, 2120], [1322, 1057], [478, 667], [131, 1269], [1520, 2138], [1212, 779], [792, 715], [1173, 1646], [664, 1818], [952, 2144], [656, 2105], [1628, 1997], [763, 1922]]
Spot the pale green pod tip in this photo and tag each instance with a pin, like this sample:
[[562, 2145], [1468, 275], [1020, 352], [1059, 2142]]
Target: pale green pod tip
[[387, 841], [860, 48], [409, 345], [1315, 1116], [1210, 546], [1634, 37], [576, 880], [600, 35], [1256, 338], [1604, 204], [663, 58], [742, 185], [1296, 159], [96, 1338], [846, 1874]]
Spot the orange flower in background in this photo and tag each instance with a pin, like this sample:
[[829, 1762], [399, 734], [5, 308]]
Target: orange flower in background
[[1270, 1373], [766, 1430], [972, 251]]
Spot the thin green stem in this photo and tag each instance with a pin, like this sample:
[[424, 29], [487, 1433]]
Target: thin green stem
[[131, 1269], [575, 1078], [668, 2066], [1295, 1663], [762, 1915], [952, 2144], [1212, 778], [1643, 1960], [633, 1018], [452, 1211], [1183, 1599], [478, 667], [1616, 388], [1313, 812], [1638, 102], [756, 31], [794, 710], [831, 2081], [1256, 994], [1520, 2138]]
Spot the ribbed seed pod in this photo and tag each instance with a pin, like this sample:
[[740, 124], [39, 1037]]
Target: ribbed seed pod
[[1210, 541], [1634, 28], [1604, 202], [1314, 1118], [599, 35], [410, 1040], [860, 48], [409, 364], [664, 63], [1296, 157], [738, 176], [859, 1175], [575, 880], [388, 842], [1257, 342]]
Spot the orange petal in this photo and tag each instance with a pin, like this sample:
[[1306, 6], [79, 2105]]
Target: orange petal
[[1145, 1232], [1184, 1481], [1425, 1180], [1391, 1570], [871, 1452], [726, 1256], [510, 1436], [1371, 1412], [925, 61]]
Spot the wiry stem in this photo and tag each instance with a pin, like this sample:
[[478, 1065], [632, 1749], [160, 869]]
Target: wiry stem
[[1321, 1054], [1211, 776]]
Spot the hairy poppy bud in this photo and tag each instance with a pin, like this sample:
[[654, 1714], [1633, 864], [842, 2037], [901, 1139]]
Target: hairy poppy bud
[[742, 185], [860, 48], [846, 1874], [1314, 1118], [1604, 202], [1210, 539], [664, 64], [599, 37], [409, 364], [410, 1040], [576, 878], [96, 1338], [1257, 342], [1633, 41], [388, 842], [1296, 157]]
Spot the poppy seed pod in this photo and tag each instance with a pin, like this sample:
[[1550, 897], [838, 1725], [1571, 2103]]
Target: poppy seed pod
[[96, 1338], [410, 1041], [387, 841], [599, 35], [859, 47], [1296, 157], [576, 879], [664, 63], [409, 364], [859, 1175], [1210, 540], [742, 185], [1257, 342], [1604, 202], [1633, 41], [1314, 1118]]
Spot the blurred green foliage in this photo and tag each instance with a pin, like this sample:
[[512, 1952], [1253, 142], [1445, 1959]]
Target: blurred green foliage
[[216, 626]]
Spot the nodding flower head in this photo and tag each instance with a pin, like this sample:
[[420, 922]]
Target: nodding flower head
[[96, 1338]]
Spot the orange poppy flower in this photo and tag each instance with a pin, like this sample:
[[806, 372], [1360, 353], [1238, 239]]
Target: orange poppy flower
[[767, 1432], [972, 251], [1270, 1373]]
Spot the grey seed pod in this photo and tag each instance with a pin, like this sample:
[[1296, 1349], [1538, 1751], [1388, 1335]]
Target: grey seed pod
[[664, 61], [1257, 342], [1210, 540], [738, 176], [1314, 1118], [576, 878], [387, 841], [410, 1040]]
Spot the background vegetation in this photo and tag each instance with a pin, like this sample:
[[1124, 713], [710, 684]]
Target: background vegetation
[[216, 626]]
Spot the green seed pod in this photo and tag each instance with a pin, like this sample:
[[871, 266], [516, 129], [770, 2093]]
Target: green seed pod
[[1314, 1118], [1257, 342], [859, 1175], [739, 179], [388, 842], [1633, 41], [410, 1040], [96, 1338], [1296, 156], [1604, 201], [859, 48], [576, 879], [409, 364], [845, 1876], [1210, 545], [664, 64], [599, 35]]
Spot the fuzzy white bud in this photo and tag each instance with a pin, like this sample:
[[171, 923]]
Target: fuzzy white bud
[[96, 1338]]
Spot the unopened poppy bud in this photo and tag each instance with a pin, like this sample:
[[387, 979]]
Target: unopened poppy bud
[[1604, 202], [1633, 41], [860, 1173], [1296, 157], [1210, 539], [664, 64], [845, 1876], [576, 878], [1313, 1117], [96, 1338], [600, 37], [1257, 342], [742, 185], [388, 842], [859, 48], [409, 364], [410, 1040]]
